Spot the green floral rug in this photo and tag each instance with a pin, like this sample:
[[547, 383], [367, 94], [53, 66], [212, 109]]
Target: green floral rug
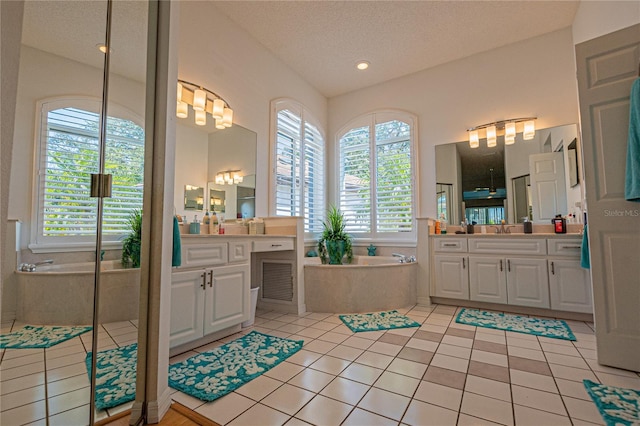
[[556, 329], [115, 375], [377, 321], [213, 374], [32, 337], [618, 406]]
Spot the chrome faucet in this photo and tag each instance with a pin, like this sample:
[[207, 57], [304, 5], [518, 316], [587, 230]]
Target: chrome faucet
[[503, 229], [31, 267], [403, 258]]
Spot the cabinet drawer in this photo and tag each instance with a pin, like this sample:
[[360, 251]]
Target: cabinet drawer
[[451, 245], [564, 247], [204, 254], [239, 251], [273, 245], [511, 246]]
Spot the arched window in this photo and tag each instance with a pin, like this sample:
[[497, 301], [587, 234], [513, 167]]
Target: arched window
[[376, 164], [299, 164], [67, 154]]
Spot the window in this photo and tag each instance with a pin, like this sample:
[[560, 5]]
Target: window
[[68, 154], [376, 176], [299, 165]]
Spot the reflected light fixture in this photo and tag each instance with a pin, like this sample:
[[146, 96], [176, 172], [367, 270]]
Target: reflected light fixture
[[508, 128], [203, 101], [228, 177]]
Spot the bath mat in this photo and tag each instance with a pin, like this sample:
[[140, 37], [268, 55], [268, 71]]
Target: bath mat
[[617, 406], [377, 321], [556, 329], [115, 375], [32, 337], [210, 375]]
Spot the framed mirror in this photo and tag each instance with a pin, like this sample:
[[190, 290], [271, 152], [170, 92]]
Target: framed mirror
[[536, 178]]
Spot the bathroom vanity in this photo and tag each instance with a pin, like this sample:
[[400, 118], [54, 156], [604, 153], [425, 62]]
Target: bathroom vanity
[[519, 270]]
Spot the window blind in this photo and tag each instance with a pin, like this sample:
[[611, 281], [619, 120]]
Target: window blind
[[355, 180]]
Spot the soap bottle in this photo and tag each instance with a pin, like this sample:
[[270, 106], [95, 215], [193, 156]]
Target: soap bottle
[[559, 224], [443, 224], [213, 223], [528, 226], [437, 227], [194, 227], [221, 226], [206, 219]]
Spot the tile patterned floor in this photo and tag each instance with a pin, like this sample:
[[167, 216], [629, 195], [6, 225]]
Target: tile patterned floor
[[442, 373]]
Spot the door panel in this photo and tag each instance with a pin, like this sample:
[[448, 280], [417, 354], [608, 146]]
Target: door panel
[[187, 304], [527, 282], [451, 277], [227, 297], [569, 286], [548, 187], [487, 279], [607, 67]]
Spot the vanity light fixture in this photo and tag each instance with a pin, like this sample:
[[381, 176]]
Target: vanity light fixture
[[204, 102], [492, 130], [228, 177]]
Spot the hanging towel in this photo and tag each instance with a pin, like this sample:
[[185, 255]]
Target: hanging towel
[[176, 258], [632, 178], [584, 250]]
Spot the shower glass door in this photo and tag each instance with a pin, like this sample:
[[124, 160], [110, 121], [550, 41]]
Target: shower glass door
[[81, 97]]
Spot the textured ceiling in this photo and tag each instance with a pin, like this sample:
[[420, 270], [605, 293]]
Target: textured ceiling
[[323, 40], [320, 40]]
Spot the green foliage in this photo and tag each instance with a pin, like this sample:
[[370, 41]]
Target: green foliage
[[132, 242], [333, 230]]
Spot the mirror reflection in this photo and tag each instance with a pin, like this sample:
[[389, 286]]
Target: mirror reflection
[[193, 197], [534, 179]]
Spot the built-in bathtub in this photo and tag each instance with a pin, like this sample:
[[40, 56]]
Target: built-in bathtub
[[63, 294], [368, 284]]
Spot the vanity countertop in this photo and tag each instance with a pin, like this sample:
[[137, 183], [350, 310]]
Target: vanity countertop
[[513, 235]]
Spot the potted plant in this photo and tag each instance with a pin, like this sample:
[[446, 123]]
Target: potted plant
[[334, 243], [131, 243]]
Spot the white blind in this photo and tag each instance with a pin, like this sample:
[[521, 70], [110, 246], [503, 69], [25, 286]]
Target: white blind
[[68, 157], [355, 179], [393, 177], [299, 169]]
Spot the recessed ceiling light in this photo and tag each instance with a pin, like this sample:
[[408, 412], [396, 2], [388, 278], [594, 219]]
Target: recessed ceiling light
[[362, 65]]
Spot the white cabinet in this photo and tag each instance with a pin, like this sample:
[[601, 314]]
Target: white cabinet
[[451, 276], [569, 286], [207, 300], [487, 279], [527, 283]]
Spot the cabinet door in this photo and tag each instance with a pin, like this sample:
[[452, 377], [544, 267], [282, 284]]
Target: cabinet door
[[451, 277], [487, 279], [527, 282], [187, 306], [569, 286], [227, 297]]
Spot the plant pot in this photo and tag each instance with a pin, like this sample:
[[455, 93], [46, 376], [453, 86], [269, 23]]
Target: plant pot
[[335, 250]]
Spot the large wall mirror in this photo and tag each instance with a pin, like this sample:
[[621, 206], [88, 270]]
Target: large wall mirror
[[536, 179]]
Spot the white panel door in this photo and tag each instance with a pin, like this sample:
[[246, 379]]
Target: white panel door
[[451, 277], [548, 188], [569, 286], [227, 297], [487, 279], [187, 306], [527, 282], [607, 67]]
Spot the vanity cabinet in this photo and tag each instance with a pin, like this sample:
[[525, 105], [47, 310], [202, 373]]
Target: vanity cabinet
[[531, 271]]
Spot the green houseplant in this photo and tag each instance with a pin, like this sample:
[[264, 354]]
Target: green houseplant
[[131, 243], [334, 243]]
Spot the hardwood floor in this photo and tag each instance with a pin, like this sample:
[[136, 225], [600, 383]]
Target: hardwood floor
[[178, 415]]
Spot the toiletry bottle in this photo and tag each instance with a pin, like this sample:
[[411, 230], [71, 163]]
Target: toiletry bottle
[[206, 219], [443, 224], [194, 227], [437, 227], [213, 227], [559, 224], [221, 226], [528, 226]]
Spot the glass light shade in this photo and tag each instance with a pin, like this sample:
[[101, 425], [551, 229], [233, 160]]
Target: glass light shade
[[199, 100], [219, 124], [529, 130], [509, 133], [218, 108], [182, 110], [201, 118], [237, 178], [219, 179], [491, 136], [179, 95], [227, 178], [227, 117], [474, 140]]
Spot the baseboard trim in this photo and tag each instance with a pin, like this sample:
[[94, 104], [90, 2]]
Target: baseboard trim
[[424, 301], [157, 409]]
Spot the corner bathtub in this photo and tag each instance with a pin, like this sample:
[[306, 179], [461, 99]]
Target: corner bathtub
[[63, 294], [369, 284]]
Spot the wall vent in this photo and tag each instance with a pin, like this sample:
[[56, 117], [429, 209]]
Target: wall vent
[[277, 280]]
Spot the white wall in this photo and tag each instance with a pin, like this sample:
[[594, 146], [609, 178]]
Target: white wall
[[43, 75], [535, 77], [596, 18], [217, 54]]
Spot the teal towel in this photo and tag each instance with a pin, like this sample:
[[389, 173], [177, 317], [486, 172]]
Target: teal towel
[[584, 251], [632, 177], [176, 258]]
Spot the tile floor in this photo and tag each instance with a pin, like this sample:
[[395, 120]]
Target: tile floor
[[442, 373]]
